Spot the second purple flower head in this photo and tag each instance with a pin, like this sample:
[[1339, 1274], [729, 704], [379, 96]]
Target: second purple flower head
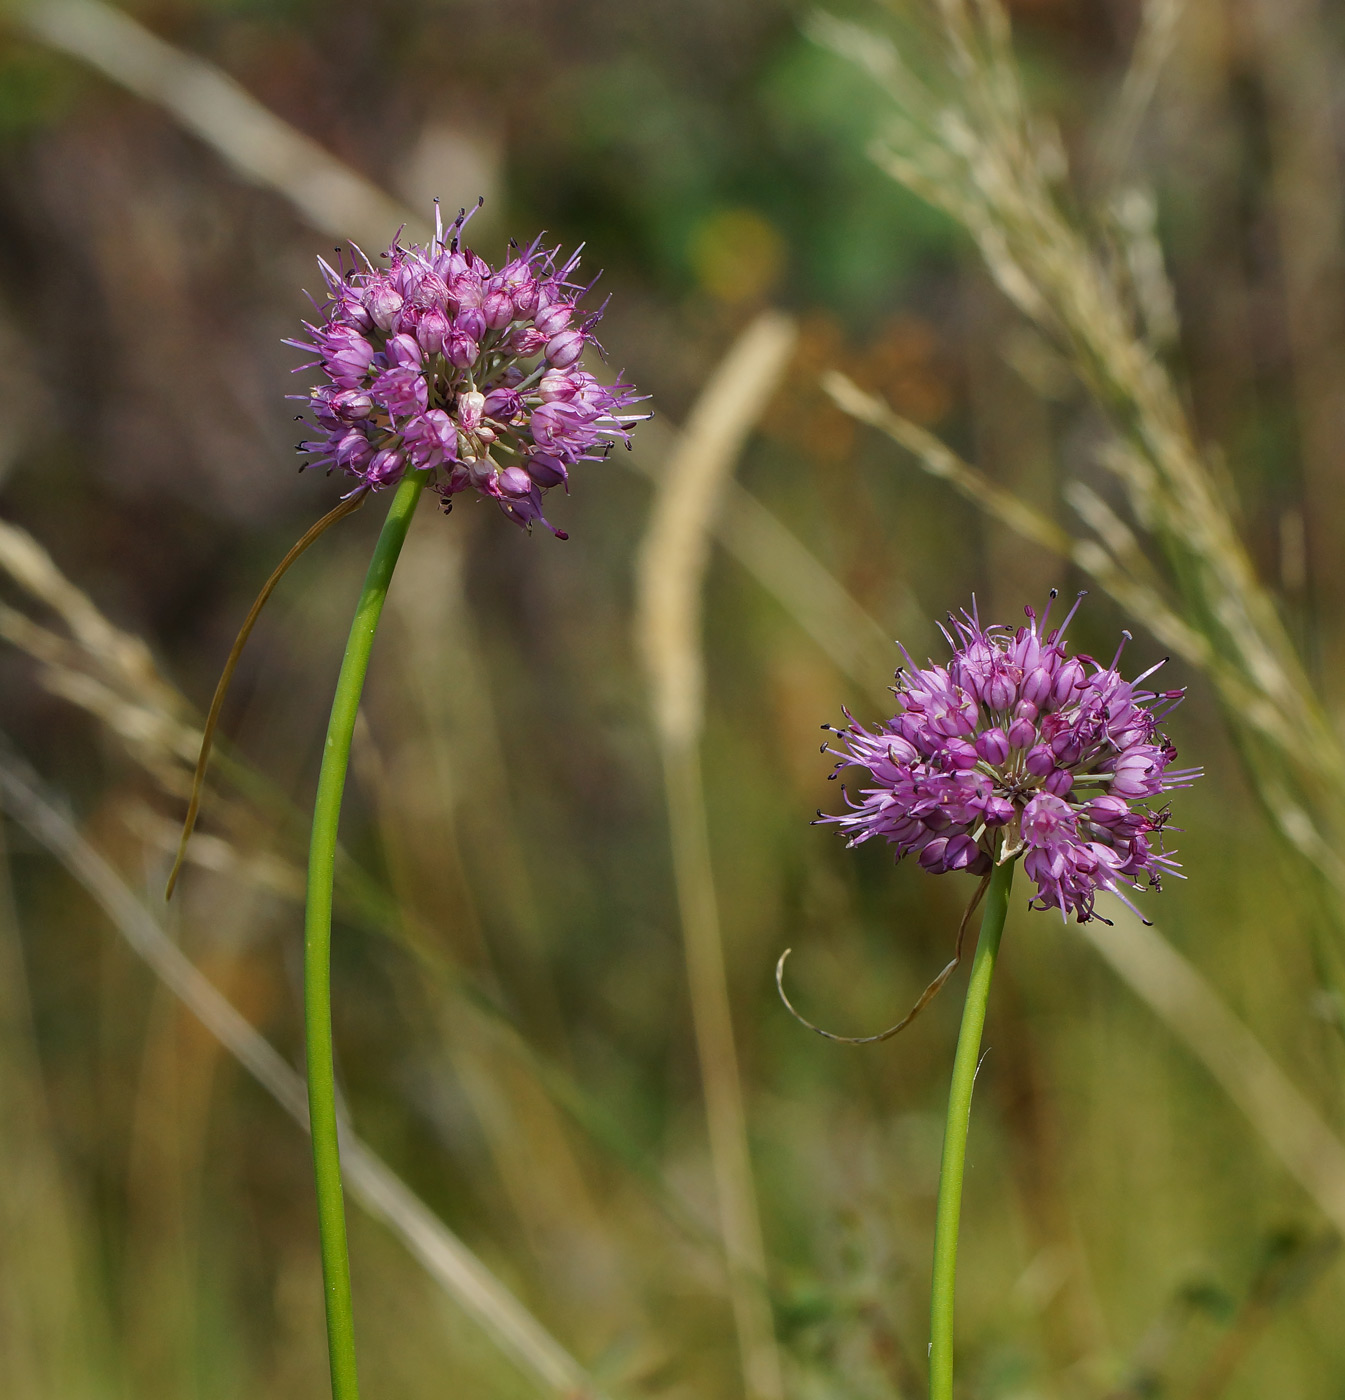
[[1013, 748], [439, 362]]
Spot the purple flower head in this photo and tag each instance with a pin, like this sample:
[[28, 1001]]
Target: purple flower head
[[437, 363], [1013, 748]]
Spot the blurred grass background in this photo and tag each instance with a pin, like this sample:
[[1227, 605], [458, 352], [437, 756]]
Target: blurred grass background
[[515, 1033]]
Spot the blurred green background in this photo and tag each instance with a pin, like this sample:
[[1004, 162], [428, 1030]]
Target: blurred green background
[[513, 1027]]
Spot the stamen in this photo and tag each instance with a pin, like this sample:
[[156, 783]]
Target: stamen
[[1069, 616]]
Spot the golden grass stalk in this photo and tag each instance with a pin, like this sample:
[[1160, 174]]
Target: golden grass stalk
[[347, 505], [1112, 560], [111, 675], [456, 1269], [1284, 1118], [261, 147], [670, 579], [971, 147]]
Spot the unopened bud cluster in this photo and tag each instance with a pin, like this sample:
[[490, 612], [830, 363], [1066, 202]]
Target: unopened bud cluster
[[440, 363], [1018, 748]]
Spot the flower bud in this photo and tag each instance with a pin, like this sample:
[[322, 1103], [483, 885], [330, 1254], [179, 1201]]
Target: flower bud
[[346, 356], [1036, 687], [503, 404], [471, 407], [350, 405], [471, 322], [354, 451], [556, 386], [565, 348], [430, 290], [1069, 679], [525, 298], [993, 745], [382, 302], [525, 341], [403, 350], [429, 438], [546, 470], [1059, 782], [999, 691], [961, 754], [459, 350], [998, 811], [431, 331], [514, 481], [1039, 761], [932, 855], [498, 309], [386, 467], [402, 390], [466, 291], [1022, 732], [1136, 775], [554, 319]]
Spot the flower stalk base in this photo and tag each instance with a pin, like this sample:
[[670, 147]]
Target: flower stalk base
[[955, 1134], [318, 939]]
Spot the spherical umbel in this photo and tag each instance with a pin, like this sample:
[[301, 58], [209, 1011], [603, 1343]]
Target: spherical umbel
[[1016, 748], [439, 363]]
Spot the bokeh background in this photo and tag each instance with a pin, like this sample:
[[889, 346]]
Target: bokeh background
[[1145, 1216]]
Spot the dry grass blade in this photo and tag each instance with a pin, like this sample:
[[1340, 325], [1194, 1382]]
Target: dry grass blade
[[310, 536], [378, 1189], [1118, 578], [119, 654], [210, 104], [972, 149], [1153, 44], [671, 569], [854, 641], [1099, 562], [922, 1001], [1288, 1124], [144, 720], [676, 546]]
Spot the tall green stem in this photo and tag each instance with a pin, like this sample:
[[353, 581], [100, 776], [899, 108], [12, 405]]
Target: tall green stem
[[955, 1135], [318, 939]]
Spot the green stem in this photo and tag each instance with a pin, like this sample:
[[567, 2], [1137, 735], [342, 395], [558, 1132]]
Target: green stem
[[955, 1134], [318, 939]]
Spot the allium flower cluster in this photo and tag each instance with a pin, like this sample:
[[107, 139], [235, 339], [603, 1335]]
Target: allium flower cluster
[[440, 363], [1015, 747]]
